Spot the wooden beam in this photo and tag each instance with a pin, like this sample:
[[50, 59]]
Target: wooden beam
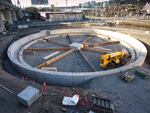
[[88, 38], [49, 68], [51, 55], [29, 52], [93, 50], [46, 49], [55, 59], [102, 48], [105, 36], [102, 44]]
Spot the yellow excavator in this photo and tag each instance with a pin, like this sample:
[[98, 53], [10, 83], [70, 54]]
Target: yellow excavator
[[112, 60]]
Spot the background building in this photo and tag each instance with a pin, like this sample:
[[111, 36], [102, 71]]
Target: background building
[[147, 7], [62, 16], [39, 2], [8, 14]]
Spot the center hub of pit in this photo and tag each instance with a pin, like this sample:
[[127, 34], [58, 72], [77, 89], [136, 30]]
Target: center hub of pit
[[76, 46]]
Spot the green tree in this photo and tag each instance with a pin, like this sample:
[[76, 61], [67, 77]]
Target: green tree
[[34, 12], [31, 9]]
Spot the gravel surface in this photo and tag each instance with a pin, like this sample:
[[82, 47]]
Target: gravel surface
[[73, 62]]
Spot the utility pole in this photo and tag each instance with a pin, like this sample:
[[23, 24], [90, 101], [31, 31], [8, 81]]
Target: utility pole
[[138, 8], [66, 3], [18, 4], [66, 8], [118, 12]]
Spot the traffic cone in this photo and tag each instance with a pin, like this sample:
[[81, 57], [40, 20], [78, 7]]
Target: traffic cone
[[44, 88]]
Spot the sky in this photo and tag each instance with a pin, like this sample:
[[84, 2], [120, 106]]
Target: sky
[[26, 3]]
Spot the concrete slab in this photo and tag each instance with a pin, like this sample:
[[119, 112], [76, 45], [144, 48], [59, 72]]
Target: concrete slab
[[28, 96], [76, 46]]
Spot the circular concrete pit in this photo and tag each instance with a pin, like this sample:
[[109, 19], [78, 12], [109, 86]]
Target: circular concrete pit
[[70, 57]]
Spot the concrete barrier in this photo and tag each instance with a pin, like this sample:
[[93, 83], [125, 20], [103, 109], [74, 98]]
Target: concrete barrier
[[136, 48]]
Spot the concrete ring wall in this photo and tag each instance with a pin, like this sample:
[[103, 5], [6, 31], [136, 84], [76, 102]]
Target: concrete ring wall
[[72, 78]]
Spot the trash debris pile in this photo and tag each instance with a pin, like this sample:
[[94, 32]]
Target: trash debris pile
[[66, 100], [128, 77], [72, 101], [87, 104]]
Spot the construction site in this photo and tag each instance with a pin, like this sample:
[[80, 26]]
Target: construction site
[[75, 62]]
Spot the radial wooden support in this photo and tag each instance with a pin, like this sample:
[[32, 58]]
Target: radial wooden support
[[105, 36], [94, 50], [102, 44], [51, 55], [46, 49], [29, 52], [55, 42], [89, 37], [50, 68], [55, 59]]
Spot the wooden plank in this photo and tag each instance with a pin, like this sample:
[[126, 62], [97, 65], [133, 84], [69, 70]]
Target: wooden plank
[[105, 49], [89, 37], [29, 52], [49, 68], [103, 44], [94, 50], [55, 59], [105, 36], [47, 49], [51, 55]]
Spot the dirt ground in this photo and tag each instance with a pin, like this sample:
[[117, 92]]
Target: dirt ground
[[127, 97], [49, 103]]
